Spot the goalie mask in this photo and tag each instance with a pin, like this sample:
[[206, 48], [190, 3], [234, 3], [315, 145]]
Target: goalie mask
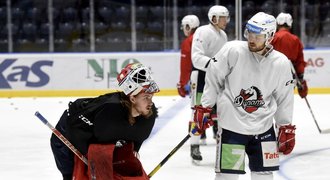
[[261, 24], [135, 78]]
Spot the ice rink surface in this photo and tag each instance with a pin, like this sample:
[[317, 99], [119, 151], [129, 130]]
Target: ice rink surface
[[25, 151]]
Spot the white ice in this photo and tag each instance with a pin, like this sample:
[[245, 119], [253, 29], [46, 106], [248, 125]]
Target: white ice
[[25, 151]]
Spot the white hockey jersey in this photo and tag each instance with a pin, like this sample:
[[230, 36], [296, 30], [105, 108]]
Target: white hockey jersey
[[251, 91], [207, 41]]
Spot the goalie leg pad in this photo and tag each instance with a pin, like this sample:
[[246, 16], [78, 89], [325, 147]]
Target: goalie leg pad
[[79, 170], [100, 158], [125, 162], [126, 165], [106, 161]]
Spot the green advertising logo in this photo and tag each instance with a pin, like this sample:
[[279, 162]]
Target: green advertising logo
[[98, 70]]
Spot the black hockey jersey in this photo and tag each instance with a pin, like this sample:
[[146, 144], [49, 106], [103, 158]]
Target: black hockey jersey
[[107, 124]]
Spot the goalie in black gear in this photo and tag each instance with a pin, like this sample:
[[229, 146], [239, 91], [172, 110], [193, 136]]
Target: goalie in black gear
[[127, 116]]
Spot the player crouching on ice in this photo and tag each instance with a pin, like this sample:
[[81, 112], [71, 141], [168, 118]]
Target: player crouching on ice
[[112, 133], [252, 85]]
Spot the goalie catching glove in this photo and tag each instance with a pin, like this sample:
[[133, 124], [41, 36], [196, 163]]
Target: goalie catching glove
[[202, 119], [286, 139]]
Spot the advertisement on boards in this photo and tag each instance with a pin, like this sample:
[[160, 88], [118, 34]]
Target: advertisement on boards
[[317, 71], [98, 71], [81, 71]]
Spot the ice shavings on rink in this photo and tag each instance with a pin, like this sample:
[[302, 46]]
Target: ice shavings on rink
[[25, 151]]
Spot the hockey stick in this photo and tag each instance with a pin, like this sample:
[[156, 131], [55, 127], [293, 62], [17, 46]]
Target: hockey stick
[[309, 106], [168, 156], [310, 109], [325, 131], [62, 138]]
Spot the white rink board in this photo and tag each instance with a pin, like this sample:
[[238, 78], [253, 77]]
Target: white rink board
[[95, 71], [81, 71], [317, 72]]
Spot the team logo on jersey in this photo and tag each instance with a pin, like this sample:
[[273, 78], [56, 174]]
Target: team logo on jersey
[[87, 121], [250, 100]]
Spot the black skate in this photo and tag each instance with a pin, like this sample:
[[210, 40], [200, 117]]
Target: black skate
[[195, 154]]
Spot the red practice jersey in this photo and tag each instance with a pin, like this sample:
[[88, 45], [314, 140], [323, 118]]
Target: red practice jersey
[[290, 45], [185, 63]]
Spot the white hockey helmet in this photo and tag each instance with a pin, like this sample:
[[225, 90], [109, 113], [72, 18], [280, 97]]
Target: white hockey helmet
[[136, 77], [218, 11], [284, 18], [261, 23], [190, 20]]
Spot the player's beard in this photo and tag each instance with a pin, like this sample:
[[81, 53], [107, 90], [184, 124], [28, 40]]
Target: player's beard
[[254, 48]]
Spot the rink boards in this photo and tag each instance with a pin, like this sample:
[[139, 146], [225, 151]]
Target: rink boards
[[89, 74]]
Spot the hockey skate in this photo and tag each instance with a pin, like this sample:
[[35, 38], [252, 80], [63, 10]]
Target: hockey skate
[[195, 154]]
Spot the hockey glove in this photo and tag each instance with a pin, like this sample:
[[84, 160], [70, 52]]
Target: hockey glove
[[286, 138], [302, 88], [182, 90], [202, 118]]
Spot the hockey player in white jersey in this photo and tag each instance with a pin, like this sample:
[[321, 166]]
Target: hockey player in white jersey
[[252, 85], [207, 41]]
